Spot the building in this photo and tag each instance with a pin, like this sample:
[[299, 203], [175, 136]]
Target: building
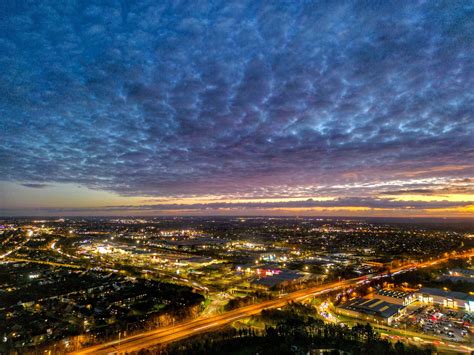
[[396, 297], [280, 278], [375, 310], [459, 275], [447, 299], [467, 273]]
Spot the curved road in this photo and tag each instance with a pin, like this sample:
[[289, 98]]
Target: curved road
[[200, 325]]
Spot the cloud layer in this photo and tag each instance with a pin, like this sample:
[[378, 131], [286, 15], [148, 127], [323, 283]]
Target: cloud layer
[[237, 97]]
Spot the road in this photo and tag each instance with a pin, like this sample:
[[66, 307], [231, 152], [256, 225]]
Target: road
[[44, 262], [200, 325], [19, 246], [417, 338]]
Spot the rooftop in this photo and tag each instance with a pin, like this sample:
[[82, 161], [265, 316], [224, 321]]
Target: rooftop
[[284, 276], [394, 294], [374, 306]]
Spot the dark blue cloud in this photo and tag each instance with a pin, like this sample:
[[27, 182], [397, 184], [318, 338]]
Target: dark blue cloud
[[196, 97], [35, 186]]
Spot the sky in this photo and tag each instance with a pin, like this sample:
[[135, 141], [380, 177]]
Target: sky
[[350, 108]]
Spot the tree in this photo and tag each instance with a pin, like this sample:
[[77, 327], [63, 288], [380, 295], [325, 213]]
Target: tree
[[399, 347]]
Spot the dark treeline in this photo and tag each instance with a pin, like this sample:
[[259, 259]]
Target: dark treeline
[[294, 333]]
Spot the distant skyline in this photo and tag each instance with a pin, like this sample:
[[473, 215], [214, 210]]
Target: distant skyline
[[302, 108]]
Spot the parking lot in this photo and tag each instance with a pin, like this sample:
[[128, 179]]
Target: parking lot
[[453, 325]]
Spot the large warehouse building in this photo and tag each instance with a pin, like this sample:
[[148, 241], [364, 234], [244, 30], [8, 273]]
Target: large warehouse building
[[371, 309]]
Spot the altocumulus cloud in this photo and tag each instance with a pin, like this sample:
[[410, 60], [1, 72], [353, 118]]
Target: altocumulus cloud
[[165, 98]]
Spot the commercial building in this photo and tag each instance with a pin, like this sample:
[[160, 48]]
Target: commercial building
[[447, 299], [376, 310], [396, 297]]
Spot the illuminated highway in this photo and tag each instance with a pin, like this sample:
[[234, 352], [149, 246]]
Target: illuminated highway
[[189, 328]]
